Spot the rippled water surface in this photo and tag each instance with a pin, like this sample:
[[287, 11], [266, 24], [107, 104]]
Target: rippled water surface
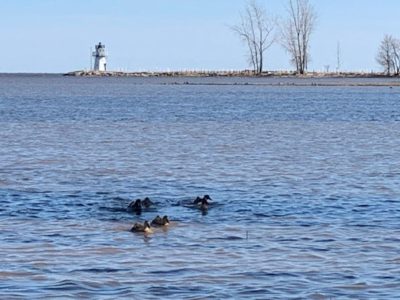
[[305, 181]]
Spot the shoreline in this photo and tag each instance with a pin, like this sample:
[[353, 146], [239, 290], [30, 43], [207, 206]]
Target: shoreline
[[314, 79], [239, 78], [243, 73]]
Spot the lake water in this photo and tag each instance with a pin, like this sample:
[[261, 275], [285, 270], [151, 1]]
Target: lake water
[[305, 181]]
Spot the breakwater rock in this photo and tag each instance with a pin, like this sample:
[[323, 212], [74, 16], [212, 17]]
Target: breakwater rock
[[244, 73], [240, 73]]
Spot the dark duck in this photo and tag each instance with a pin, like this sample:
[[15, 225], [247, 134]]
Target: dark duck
[[202, 203], [145, 227], [199, 200], [135, 206], [146, 203], [158, 221]]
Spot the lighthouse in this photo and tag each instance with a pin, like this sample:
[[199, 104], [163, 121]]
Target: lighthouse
[[100, 58]]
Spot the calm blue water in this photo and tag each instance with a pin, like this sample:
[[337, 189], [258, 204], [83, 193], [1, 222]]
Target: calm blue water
[[306, 181]]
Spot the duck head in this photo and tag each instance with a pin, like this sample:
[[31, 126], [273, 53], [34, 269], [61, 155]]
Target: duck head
[[147, 202], [146, 226], [165, 220], [138, 203]]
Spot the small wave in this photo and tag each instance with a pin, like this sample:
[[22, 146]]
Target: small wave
[[113, 209], [325, 241], [73, 196], [174, 271], [176, 290], [99, 270], [102, 193], [267, 274], [227, 238], [355, 286], [76, 289]]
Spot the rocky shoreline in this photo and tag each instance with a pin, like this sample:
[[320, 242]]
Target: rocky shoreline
[[161, 74], [243, 73], [277, 78]]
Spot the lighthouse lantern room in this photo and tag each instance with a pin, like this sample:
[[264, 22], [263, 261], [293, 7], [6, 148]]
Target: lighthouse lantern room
[[100, 58]]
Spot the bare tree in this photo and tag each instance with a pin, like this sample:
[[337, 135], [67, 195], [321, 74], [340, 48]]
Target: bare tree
[[395, 47], [388, 54], [296, 32], [256, 29]]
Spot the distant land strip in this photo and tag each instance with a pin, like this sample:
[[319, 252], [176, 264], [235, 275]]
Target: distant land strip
[[395, 81]]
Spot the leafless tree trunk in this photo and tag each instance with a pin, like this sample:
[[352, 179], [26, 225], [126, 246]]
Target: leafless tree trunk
[[296, 33], [256, 29], [395, 45], [388, 54]]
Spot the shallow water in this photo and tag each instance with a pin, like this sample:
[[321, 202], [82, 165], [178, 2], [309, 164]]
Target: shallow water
[[305, 180]]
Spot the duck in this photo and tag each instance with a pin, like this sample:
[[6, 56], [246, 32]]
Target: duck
[[137, 227], [135, 206], [199, 200], [147, 202], [158, 221], [203, 204]]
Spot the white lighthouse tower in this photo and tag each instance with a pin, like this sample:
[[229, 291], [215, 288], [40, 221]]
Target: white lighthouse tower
[[100, 58]]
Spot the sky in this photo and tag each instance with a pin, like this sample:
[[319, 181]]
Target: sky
[[56, 36]]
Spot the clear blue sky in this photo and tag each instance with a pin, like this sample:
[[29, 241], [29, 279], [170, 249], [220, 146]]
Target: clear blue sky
[[56, 35]]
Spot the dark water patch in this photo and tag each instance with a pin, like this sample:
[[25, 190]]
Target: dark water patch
[[99, 270], [392, 201], [57, 235], [392, 239], [349, 277], [103, 193], [113, 209], [73, 195], [320, 249], [304, 224], [325, 241], [243, 210], [171, 290], [363, 205], [260, 215], [175, 272], [387, 278], [365, 225], [258, 275], [227, 238], [272, 215], [252, 292], [354, 239], [286, 240]]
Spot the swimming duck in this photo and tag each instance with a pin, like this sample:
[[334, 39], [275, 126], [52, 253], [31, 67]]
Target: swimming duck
[[200, 200], [203, 205], [147, 202], [158, 221], [135, 206], [137, 227]]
